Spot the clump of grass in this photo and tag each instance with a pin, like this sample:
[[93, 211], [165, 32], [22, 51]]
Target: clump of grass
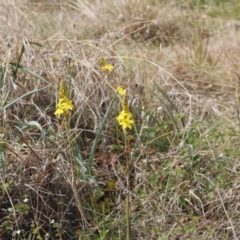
[[171, 156]]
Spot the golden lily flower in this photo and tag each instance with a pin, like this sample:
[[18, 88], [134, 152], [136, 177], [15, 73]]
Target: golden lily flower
[[64, 105], [124, 119], [121, 91], [105, 66], [59, 112]]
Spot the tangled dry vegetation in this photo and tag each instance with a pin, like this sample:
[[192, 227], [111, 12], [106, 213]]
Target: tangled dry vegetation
[[179, 62]]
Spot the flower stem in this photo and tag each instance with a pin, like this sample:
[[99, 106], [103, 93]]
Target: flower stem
[[128, 204]]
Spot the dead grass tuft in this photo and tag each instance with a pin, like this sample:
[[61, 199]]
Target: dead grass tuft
[[179, 64]]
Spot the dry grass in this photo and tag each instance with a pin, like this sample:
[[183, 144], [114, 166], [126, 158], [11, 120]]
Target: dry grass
[[179, 63]]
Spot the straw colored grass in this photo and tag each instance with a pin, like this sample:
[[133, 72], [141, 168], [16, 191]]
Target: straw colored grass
[[67, 179]]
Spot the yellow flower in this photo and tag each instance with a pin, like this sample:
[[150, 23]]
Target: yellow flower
[[107, 67], [121, 90], [59, 112], [64, 104], [125, 120]]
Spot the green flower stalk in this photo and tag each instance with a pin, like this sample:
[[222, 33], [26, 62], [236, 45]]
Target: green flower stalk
[[125, 120]]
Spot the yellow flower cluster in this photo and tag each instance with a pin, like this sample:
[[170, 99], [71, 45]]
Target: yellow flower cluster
[[121, 91], [64, 105], [124, 118], [105, 66]]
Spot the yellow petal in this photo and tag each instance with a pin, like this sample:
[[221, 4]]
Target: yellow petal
[[121, 90], [107, 67], [59, 112]]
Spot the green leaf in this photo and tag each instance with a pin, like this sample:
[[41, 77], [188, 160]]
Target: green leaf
[[34, 124], [23, 96], [28, 71]]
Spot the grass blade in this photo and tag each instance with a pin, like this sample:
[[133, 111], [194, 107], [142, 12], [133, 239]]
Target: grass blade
[[99, 133], [23, 96], [29, 71]]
